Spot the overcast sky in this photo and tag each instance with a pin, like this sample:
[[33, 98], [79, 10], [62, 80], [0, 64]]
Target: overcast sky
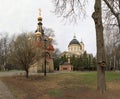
[[21, 15]]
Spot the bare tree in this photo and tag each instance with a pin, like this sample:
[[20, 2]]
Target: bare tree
[[21, 52], [56, 53], [97, 16], [50, 32], [108, 45], [3, 49], [73, 8], [70, 9], [111, 17], [114, 7]]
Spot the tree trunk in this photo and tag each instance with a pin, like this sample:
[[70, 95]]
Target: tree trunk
[[114, 58], [97, 16], [27, 73]]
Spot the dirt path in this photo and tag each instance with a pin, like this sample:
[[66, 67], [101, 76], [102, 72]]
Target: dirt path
[[4, 92]]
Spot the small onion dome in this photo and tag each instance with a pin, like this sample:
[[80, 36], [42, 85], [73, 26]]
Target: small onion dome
[[40, 18], [50, 38], [50, 48], [81, 42], [38, 34]]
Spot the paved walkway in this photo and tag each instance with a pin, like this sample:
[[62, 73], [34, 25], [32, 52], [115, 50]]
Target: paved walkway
[[4, 92], [10, 73]]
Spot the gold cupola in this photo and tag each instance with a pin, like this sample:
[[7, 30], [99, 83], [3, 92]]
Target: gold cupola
[[50, 38]]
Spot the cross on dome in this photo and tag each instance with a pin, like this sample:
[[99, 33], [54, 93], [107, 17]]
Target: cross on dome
[[40, 12], [74, 36]]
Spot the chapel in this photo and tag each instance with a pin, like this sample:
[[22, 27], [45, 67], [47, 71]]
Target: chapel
[[43, 60]]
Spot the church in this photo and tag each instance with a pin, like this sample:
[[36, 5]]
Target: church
[[75, 48], [43, 48]]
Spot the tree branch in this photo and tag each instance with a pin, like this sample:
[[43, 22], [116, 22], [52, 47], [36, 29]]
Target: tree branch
[[111, 8]]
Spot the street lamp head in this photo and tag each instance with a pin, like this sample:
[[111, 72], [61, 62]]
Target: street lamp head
[[38, 34]]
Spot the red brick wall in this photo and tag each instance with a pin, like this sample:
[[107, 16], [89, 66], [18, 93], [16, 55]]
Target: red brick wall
[[66, 67]]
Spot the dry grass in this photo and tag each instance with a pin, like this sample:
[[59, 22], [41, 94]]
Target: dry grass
[[62, 86]]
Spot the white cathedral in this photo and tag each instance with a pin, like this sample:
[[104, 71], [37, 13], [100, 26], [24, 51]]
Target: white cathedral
[[75, 48]]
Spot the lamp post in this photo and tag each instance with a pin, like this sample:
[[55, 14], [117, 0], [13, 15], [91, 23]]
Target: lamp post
[[45, 41], [47, 50]]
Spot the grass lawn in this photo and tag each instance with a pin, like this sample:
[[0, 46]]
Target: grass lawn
[[71, 85]]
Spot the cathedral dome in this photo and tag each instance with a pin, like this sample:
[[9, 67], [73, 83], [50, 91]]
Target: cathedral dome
[[74, 41]]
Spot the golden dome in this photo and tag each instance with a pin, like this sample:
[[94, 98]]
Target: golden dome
[[50, 38], [39, 18], [38, 34]]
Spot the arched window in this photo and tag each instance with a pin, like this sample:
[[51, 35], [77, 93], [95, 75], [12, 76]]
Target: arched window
[[78, 49], [69, 48], [74, 48]]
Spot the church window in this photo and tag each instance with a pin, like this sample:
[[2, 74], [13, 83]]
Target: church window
[[78, 49], [74, 48], [81, 47], [69, 49]]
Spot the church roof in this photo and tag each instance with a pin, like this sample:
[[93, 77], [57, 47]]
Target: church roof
[[74, 41]]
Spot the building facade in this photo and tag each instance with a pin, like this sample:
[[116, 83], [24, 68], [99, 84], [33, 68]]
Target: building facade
[[74, 48]]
